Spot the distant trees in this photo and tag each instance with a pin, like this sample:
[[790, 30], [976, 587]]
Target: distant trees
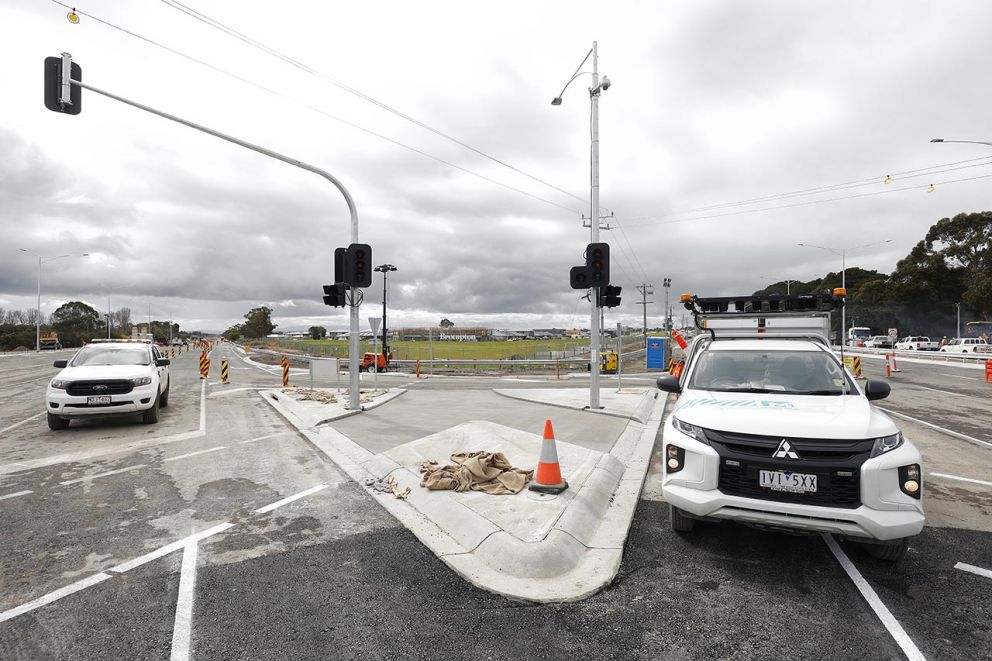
[[258, 322], [317, 332], [234, 333], [446, 323], [76, 323]]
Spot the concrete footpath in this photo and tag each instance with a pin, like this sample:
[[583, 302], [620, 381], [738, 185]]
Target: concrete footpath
[[529, 546]]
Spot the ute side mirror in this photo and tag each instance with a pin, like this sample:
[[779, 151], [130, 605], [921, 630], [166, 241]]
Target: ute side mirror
[[162, 362], [669, 383], [60, 363], [875, 389]]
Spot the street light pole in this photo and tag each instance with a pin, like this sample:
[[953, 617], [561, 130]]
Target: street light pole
[[385, 270], [958, 306], [968, 142], [667, 284], [842, 252], [37, 318]]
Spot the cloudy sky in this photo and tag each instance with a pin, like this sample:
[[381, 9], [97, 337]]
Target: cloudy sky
[[732, 132]]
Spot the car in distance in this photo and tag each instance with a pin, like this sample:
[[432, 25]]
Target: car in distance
[[109, 378], [966, 345], [878, 342], [916, 343]]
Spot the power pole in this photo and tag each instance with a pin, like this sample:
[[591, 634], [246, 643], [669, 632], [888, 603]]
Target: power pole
[[645, 289]]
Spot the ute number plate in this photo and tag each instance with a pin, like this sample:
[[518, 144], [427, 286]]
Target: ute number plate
[[98, 399], [787, 481]]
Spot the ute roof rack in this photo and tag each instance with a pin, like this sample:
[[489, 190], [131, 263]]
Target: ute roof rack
[[770, 304], [769, 316]]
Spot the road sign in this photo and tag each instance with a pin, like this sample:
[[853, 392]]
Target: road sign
[[893, 334], [375, 322]]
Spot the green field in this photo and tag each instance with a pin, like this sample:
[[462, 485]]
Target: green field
[[406, 350]]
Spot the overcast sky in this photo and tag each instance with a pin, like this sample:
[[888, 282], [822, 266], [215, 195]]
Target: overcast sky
[[712, 104]]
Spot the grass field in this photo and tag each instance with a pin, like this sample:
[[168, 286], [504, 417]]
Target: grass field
[[406, 350]]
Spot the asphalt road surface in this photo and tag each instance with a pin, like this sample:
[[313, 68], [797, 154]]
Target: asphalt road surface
[[220, 533]]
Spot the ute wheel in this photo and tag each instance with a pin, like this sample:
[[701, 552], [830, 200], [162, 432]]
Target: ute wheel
[[55, 422], [164, 397], [150, 416], [681, 522], [889, 552]]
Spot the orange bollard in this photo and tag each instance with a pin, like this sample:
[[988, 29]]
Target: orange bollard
[[988, 371], [285, 371], [548, 477], [418, 368]]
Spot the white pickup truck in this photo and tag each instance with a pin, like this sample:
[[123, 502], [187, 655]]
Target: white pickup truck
[[967, 345], [916, 343]]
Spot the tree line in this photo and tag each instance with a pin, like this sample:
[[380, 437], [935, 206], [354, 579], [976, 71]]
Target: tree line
[[951, 265], [76, 323]]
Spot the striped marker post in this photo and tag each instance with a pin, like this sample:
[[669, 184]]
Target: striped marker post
[[223, 372], [204, 365], [285, 371]]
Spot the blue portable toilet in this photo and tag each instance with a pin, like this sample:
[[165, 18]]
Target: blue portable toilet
[[657, 353]]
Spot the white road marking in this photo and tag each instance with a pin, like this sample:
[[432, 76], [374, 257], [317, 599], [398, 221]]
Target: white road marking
[[286, 501], [958, 376], [15, 494], [193, 454], [22, 422], [949, 432], [973, 569], [962, 479], [169, 548], [184, 605], [268, 436], [895, 629], [54, 596], [203, 407], [99, 475], [946, 392]]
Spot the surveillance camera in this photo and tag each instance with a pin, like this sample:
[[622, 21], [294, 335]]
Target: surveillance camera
[[605, 85]]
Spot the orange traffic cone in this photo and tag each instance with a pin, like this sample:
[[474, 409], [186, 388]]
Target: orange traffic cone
[[548, 478]]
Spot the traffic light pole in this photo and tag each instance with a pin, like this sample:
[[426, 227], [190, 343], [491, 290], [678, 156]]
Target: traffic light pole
[[594, 230], [354, 400]]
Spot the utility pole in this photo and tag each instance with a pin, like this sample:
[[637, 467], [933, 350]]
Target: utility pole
[[645, 289], [958, 306]]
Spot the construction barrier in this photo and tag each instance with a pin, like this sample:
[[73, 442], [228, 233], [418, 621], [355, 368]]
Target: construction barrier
[[285, 371], [547, 478], [988, 371], [679, 339], [223, 372], [890, 365], [204, 365], [853, 363], [418, 368]]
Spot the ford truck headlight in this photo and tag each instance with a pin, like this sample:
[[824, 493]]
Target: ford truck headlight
[[885, 444], [59, 384], [692, 431], [141, 381]]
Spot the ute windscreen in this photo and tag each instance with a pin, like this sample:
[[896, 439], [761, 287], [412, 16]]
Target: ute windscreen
[[788, 372]]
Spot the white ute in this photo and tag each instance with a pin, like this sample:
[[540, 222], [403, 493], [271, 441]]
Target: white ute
[[123, 377], [771, 430]]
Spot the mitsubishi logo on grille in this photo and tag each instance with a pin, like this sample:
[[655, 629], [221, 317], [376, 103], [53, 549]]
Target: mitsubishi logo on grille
[[99, 387], [785, 451]]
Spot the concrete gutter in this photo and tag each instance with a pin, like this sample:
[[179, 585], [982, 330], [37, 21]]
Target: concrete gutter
[[527, 546]]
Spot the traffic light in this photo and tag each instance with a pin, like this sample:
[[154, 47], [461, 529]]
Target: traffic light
[[609, 296], [334, 295], [340, 256], [598, 264], [53, 85], [358, 265], [579, 277]]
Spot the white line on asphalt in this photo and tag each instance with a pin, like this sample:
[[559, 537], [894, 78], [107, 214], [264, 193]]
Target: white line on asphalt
[[286, 501], [203, 407], [955, 434], [168, 548], [958, 376], [22, 422], [973, 569], [895, 629], [268, 436], [962, 479], [15, 494], [946, 392], [193, 454], [184, 605], [98, 475], [54, 596]]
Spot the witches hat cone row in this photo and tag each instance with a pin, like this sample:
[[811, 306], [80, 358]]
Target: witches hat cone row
[[548, 477]]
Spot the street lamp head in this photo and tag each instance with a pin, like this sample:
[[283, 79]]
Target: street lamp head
[[605, 85], [937, 140], [556, 101]]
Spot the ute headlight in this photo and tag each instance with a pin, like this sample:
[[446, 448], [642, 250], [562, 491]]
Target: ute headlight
[[885, 444], [59, 384], [692, 431], [141, 381]]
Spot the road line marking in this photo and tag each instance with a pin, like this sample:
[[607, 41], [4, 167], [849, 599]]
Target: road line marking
[[16, 494], [973, 569], [938, 428], [203, 407], [263, 438], [958, 376], [183, 625], [946, 392], [895, 629], [93, 477], [286, 501], [168, 548], [54, 596], [22, 422], [962, 479], [193, 454]]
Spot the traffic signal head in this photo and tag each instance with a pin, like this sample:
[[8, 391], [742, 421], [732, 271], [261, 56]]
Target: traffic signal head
[[358, 265], [609, 296], [578, 277], [340, 257], [598, 264], [54, 99], [334, 295]]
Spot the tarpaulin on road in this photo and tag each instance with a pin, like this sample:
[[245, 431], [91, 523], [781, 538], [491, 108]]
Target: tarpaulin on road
[[489, 472]]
